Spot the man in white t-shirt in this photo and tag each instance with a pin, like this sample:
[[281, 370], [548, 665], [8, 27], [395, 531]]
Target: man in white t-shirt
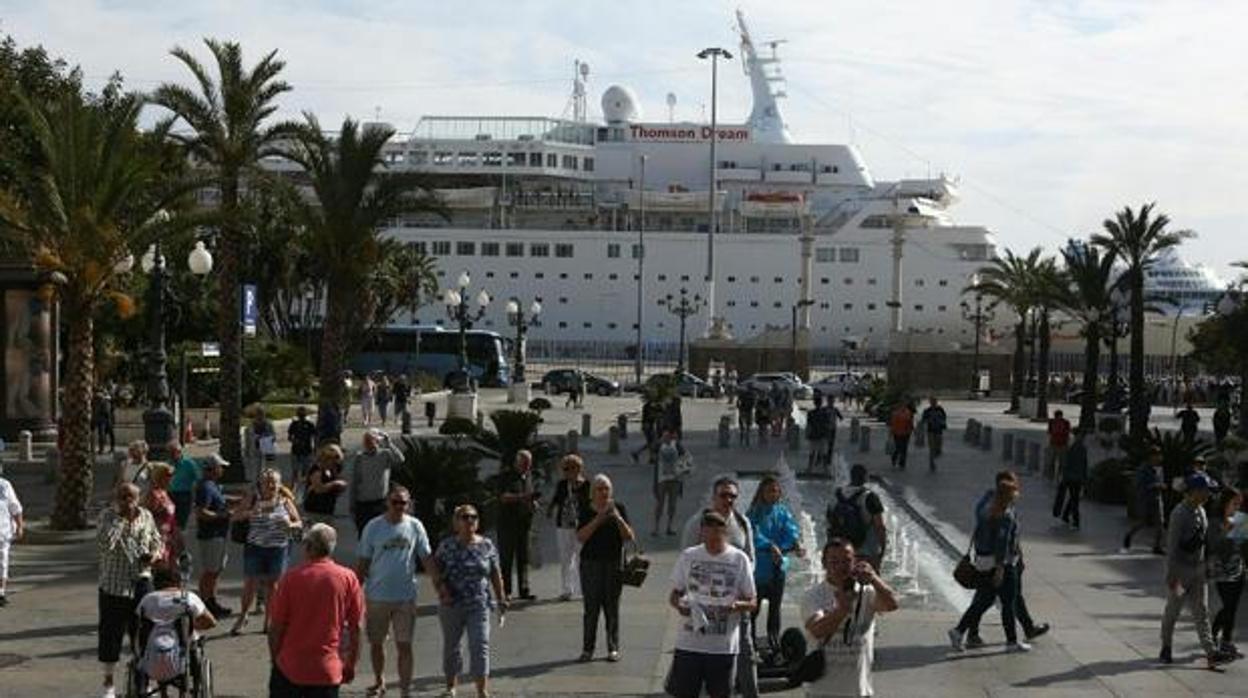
[[839, 614], [713, 588], [12, 526]]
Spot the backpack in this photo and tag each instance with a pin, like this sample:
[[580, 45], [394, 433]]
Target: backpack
[[847, 517], [163, 657]]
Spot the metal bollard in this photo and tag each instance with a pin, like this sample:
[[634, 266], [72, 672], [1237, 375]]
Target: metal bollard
[[725, 431], [1033, 456], [1007, 446], [621, 425], [574, 441], [405, 420], [985, 438], [613, 440], [1020, 452], [864, 440], [854, 427], [26, 448], [585, 424]]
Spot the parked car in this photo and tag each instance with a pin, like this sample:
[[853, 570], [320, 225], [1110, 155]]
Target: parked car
[[560, 380], [838, 384], [687, 384], [763, 381]]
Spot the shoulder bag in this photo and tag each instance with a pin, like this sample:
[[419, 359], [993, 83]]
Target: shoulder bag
[[814, 665], [634, 565], [966, 574]]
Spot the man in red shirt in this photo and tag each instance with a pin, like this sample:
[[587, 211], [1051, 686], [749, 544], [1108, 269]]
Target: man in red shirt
[[1059, 442], [314, 623]]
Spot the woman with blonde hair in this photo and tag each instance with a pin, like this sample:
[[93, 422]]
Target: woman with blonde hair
[[164, 513], [571, 497], [272, 516]]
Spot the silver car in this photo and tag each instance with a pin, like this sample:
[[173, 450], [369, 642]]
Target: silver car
[[763, 382]]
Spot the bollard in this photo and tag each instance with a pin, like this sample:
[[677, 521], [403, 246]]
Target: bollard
[[864, 440], [1033, 456], [405, 419], [1020, 452], [561, 442], [621, 425], [1007, 446], [985, 438], [613, 440], [725, 431], [970, 431], [975, 432], [25, 449], [854, 426], [574, 441], [585, 424]]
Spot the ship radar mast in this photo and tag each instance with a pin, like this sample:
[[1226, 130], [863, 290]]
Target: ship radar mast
[[577, 102], [766, 122]]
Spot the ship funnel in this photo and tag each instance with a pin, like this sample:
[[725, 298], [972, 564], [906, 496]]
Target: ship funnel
[[766, 122]]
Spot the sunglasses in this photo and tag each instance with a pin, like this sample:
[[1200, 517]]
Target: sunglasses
[[398, 502], [468, 517], [728, 495]]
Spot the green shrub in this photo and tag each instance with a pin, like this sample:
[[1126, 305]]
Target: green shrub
[[441, 475], [1109, 481], [458, 426]]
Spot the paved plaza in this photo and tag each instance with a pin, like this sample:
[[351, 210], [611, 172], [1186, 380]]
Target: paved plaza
[[1105, 607]]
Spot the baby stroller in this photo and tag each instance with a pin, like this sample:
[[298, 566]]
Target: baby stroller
[[169, 655]]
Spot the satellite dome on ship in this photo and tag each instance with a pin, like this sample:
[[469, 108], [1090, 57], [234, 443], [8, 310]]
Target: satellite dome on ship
[[620, 105]]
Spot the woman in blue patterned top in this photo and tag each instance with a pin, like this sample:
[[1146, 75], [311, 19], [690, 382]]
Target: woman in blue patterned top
[[467, 571], [775, 536]]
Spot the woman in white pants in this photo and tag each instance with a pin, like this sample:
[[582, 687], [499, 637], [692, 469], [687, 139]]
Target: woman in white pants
[[11, 528], [367, 390], [571, 497]]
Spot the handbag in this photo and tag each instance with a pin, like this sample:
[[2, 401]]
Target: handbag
[[965, 573], [634, 567], [811, 667]]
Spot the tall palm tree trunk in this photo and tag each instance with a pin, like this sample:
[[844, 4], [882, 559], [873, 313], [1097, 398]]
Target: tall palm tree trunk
[[77, 476], [1020, 365], [1091, 377], [334, 347], [1042, 381], [229, 329], [1139, 398]]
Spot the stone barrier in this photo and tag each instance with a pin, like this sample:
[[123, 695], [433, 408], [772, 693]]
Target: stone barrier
[[613, 439], [1007, 446], [585, 424], [621, 425], [574, 441]]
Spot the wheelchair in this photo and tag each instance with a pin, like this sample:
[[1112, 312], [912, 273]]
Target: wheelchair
[[194, 680]]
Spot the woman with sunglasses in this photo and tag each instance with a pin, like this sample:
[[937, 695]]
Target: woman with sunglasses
[[603, 530], [571, 498], [465, 571], [272, 517]]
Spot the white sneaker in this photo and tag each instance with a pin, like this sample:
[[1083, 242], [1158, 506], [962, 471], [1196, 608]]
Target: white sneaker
[[1018, 646], [955, 640], [109, 692]]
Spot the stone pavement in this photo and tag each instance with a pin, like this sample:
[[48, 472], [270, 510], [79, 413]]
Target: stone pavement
[[1105, 607]]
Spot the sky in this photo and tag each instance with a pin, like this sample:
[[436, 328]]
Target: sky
[[1052, 114]]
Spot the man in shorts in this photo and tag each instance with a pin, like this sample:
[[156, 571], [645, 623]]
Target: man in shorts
[[212, 519], [713, 589], [389, 546]]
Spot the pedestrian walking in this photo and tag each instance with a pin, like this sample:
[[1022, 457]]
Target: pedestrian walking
[[466, 569], [603, 530], [1074, 472], [934, 422], [314, 628], [12, 528], [212, 526], [323, 484], [762, 416], [1150, 489], [386, 563], [302, 435], [745, 415], [819, 425], [713, 590], [383, 397], [839, 614], [127, 543], [402, 394], [271, 518], [367, 393], [651, 427], [856, 514], [1221, 423], [1186, 580], [776, 536], [1189, 421], [900, 427], [740, 534], [1226, 566], [996, 558], [517, 500], [571, 498], [370, 476], [1059, 443], [186, 473], [164, 513], [133, 468], [781, 406], [103, 421], [671, 467]]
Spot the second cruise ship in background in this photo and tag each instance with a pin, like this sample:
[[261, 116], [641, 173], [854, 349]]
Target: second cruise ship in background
[[555, 210]]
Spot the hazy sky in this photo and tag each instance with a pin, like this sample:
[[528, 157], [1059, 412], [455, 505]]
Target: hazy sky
[[1053, 113]]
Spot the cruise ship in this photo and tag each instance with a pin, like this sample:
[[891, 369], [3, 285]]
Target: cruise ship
[[604, 221], [1182, 288]]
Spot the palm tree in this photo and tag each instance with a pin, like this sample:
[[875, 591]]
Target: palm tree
[[89, 196], [1007, 281], [228, 137], [1137, 239], [1092, 280], [355, 199], [1048, 289]]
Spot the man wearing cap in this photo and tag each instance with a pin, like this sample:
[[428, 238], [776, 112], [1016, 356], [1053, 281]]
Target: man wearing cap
[[370, 477], [212, 517], [1185, 570]]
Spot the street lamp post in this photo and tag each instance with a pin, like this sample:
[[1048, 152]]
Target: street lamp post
[[803, 303], [1118, 329], [714, 53], [980, 317], [461, 312], [519, 390], [1234, 305], [685, 308], [639, 359]]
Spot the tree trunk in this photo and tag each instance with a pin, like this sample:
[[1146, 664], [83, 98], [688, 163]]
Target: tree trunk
[[1042, 373], [229, 331], [334, 347], [1091, 377], [1020, 365], [77, 477], [1139, 399]]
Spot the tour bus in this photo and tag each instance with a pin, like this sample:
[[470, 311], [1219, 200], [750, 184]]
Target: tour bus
[[434, 351]]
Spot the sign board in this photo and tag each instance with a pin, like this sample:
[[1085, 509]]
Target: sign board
[[251, 310], [686, 133], [210, 349]]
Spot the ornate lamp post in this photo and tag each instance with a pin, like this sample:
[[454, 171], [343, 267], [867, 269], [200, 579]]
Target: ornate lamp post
[[159, 425], [712, 224], [804, 303], [519, 391], [979, 316], [463, 400], [1232, 306], [1118, 328], [684, 309]]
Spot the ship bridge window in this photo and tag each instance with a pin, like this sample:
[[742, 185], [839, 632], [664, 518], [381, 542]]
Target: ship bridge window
[[539, 249], [799, 167], [552, 160], [684, 277], [535, 159], [849, 254], [466, 249], [753, 304], [613, 250], [972, 252], [465, 159], [876, 221], [418, 157], [569, 162], [825, 255], [943, 282], [727, 164], [849, 281], [563, 250], [831, 169], [515, 159], [419, 247], [587, 164], [515, 249], [492, 159], [443, 158], [489, 249], [732, 304], [613, 277], [636, 251], [441, 247], [539, 275]]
